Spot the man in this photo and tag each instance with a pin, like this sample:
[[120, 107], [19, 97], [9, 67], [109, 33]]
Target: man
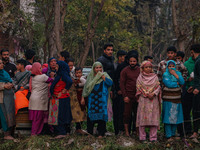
[[64, 56], [107, 60], [148, 58], [29, 54], [128, 79], [120, 58], [8, 66], [195, 49], [171, 55]]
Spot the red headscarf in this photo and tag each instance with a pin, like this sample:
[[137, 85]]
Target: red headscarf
[[36, 70]]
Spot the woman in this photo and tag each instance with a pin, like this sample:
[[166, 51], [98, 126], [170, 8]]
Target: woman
[[60, 112], [38, 102], [97, 89], [7, 103], [149, 102]]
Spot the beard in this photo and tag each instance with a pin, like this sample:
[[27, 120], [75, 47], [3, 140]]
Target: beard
[[5, 59], [132, 66]]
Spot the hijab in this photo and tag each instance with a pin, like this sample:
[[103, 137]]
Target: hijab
[[94, 79], [172, 77], [4, 76], [49, 68], [28, 67]]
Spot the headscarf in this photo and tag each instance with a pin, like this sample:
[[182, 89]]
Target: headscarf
[[93, 79], [173, 78], [4, 76], [147, 83], [45, 66], [28, 67], [62, 73], [49, 68], [36, 70]]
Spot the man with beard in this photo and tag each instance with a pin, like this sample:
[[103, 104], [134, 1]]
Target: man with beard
[[128, 79], [8, 66]]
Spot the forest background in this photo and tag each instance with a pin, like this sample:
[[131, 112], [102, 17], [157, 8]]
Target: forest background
[[82, 27]]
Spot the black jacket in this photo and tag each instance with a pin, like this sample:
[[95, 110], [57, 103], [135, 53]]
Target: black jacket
[[108, 64]]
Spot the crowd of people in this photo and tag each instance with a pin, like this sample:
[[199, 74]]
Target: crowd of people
[[135, 96]]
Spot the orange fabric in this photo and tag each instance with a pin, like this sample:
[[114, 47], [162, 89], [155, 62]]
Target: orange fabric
[[21, 101]]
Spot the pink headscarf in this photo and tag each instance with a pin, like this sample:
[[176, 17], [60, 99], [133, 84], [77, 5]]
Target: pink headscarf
[[28, 67], [36, 70]]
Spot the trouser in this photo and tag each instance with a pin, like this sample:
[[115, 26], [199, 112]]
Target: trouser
[[101, 126], [152, 133], [187, 104], [78, 125], [196, 112], [130, 114], [3, 121], [170, 130], [60, 129], [118, 110]]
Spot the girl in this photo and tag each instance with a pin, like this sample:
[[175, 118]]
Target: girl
[[60, 111], [148, 112], [172, 113], [38, 102], [97, 89], [7, 103]]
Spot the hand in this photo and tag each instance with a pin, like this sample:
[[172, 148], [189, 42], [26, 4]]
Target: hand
[[190, 89], [64, 91], [103, 77], [21, 89], [196, 91], [126, 100], [82, 101], [190, 79], [8, 86], [119, 92], [52, 74], [173, 72]]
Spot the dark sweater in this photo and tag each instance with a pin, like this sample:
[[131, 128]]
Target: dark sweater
[[197, 73], [128, 78]]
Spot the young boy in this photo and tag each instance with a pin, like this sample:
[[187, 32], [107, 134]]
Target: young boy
[[180, 56], [21, 85]]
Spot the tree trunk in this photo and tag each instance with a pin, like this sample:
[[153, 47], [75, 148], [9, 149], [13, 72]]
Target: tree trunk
[[93, 52]]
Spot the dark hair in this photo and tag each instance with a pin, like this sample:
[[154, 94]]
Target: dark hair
[[78, 68], [65, 54], [180, 53], [22, 62], [148, 57], [195, 48], [171, 48], [134, 56], [70, 60], [121, 53], [107, 45], [29, 54], [4, 50]]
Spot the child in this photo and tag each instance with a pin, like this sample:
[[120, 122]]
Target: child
[[79, 84], [77, 114], [148, 112], [180, 56], [21, 84], [172, 113], [97, 89], [38, 103]]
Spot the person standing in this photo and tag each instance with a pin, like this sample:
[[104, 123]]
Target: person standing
[[9, 67], [29, 55], [195, 49], [128, 79]]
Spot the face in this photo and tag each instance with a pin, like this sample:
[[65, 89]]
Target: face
[[171, 55], [1, 65], [61, 58], [5, 56], [71, 65], [179, 58], [132, 61], [147, 68], [121, 58], [19, 66], [171, 66], [98, 69], [151, 60], [78, 73], [109, 51], [53, 64]]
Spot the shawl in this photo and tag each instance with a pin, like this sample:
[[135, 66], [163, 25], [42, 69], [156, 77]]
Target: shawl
[[4, 76], [28, 67], [147, 83], [36, 70], [93, 79], [62, 73], [49, 68], [168, 74]]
